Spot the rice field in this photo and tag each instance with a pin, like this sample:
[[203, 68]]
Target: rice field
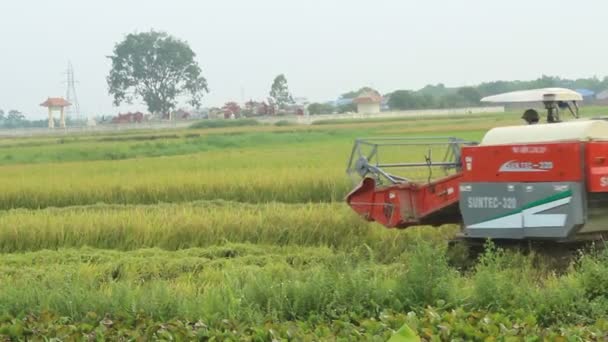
[[241, 234]]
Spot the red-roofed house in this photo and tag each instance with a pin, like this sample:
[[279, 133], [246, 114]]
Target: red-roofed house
[[368, 103]]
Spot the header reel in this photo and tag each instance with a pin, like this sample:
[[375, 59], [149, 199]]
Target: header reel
[[408, 159]]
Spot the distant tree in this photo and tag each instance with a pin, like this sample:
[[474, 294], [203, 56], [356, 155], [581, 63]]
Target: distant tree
[[426, 101], [347, 108], [434, 90], [232, 108], [546, 82], [320, 108], [156, 68], [453, 100], [355, 93], [469, 94], [271, 108], [2, 117], [407, 99], [15, 116], [497, 87], [350, 95], [402, 99], [15, 119], [256, 108], [592, 83], [279, 92], [603, 84]]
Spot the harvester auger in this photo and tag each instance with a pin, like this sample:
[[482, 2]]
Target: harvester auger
[[535, 183]]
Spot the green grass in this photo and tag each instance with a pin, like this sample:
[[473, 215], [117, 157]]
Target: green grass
[[416, 118], [131, 145], [225, 123]]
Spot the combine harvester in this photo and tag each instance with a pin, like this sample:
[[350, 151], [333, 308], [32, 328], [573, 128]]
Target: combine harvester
[[542, 182]]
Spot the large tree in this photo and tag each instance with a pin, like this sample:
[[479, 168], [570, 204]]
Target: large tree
[[354, 93], [157, 68], [407, 99], [320, 108], [402, 99], [14, 119], [279, 92], [15, 116]]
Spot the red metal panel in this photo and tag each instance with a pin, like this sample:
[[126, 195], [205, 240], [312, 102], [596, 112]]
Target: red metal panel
[[405, 205], [523, 163], [596, 162], [375, 204], [431, 197]]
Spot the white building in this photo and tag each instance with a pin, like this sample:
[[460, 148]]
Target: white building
[[368, 103]]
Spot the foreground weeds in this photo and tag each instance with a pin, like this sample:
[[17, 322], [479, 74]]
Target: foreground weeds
[[430, 324], [251, 284]]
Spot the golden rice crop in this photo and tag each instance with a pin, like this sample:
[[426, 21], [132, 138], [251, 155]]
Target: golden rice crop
[[292, 174], [200, 224]]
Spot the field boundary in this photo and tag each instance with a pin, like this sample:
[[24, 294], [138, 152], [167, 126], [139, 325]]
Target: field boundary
[[310, 119], [305, 120]]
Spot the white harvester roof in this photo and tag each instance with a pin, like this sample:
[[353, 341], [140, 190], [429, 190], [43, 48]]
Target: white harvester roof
[[578, 130], [535, 95]]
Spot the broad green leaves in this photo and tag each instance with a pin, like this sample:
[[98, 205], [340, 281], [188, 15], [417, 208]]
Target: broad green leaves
[[405, 334]]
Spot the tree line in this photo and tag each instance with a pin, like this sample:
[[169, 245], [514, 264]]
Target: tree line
[[440, 96], [15, 119]]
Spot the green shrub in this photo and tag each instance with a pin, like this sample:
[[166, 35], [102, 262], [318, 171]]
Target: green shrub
[[219, 123], [281, 123], [562, 301], [593, 272], [503, 280], [428, 278]]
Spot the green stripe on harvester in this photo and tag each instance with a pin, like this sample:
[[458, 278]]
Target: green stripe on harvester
[[545, 200], [555, 197]]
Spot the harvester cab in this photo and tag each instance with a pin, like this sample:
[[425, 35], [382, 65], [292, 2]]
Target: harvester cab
[[553, 100], [543, 181]]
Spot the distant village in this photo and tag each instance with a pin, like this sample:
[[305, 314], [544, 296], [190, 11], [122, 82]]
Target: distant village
[[65, 112], [368, 102]]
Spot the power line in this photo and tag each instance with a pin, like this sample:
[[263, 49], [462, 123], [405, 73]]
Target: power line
[[71, 96]]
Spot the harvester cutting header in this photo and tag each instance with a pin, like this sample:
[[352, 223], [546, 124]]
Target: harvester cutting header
[[542, 181]]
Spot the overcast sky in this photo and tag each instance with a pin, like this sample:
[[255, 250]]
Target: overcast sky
[[324, 47]]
